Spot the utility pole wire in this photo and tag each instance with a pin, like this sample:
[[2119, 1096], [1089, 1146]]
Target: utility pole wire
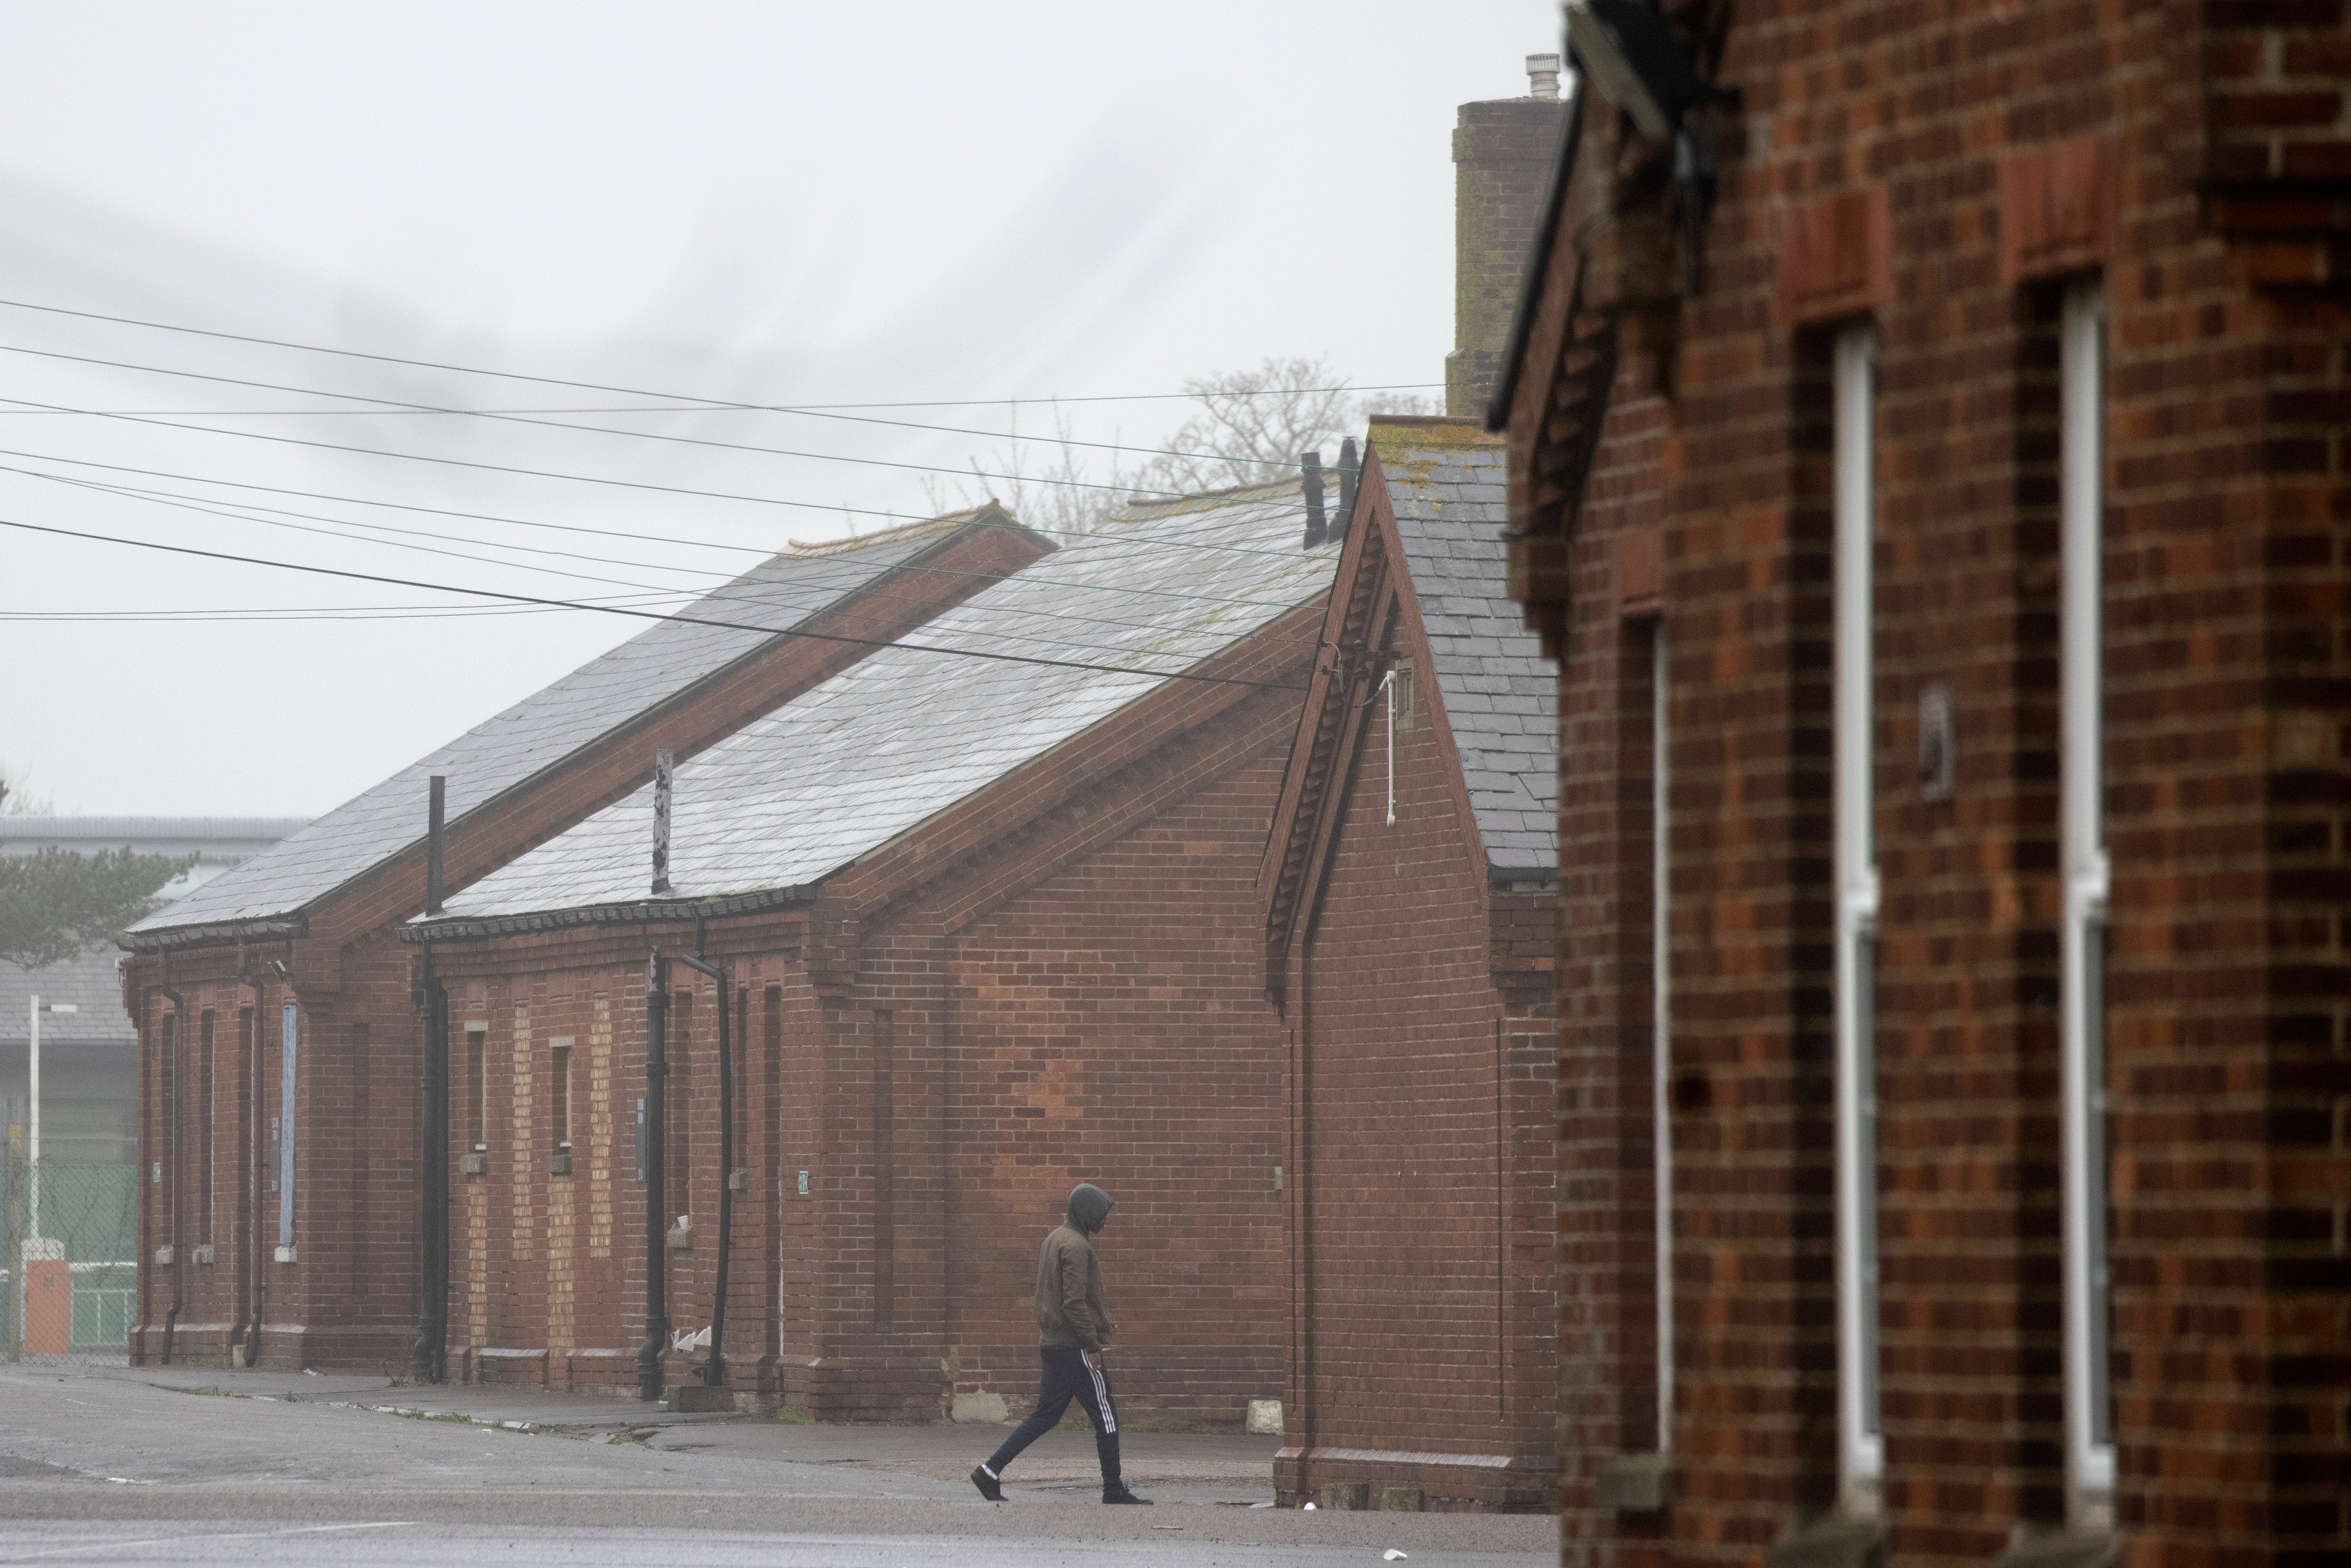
[[653, 615]]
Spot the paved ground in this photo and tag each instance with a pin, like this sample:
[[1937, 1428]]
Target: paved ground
[[151, 1465]]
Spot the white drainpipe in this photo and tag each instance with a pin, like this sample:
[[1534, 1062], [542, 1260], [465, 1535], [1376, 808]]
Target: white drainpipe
[[2089, 1441], [1863, 1451]]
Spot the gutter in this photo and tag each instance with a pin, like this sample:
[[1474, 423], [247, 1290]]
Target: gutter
[[217, 934], [636, 911], [1523, 878]]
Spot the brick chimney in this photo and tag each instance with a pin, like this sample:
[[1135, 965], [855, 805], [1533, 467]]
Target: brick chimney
[[1502, 153]]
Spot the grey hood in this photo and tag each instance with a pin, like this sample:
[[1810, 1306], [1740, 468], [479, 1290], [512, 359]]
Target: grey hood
[[1089, 1207]]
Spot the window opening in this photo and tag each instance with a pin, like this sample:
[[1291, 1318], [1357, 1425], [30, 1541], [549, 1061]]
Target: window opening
[[559, 1097], [679, 1177], [167, 1125], [1661, 1026], [288, 1038], [204, 1125], [477, 1087]]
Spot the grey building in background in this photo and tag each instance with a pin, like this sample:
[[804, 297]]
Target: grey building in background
[[90, 1058]]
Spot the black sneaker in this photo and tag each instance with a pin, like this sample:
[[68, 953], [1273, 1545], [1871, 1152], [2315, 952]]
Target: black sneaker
[[1120, 1494], [989, 1487]]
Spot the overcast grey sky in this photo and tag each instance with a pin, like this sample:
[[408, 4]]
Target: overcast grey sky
[[760, 203]]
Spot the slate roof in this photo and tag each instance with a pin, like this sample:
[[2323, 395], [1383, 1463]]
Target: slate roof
[[88, 980], [551, 725], [905, 734], [1446, 482]]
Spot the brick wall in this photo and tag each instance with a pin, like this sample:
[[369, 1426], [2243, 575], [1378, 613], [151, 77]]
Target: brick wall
[[1415, 1002], [1110, 1025], [1059, 980], [2192, 155]]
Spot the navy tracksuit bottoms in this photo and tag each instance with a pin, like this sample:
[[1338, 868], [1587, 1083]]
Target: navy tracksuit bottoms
[[1066, 1377]]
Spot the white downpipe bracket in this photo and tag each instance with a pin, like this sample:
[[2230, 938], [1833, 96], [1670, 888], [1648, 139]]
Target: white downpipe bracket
[[2089, 1446], [1861, 1451], [1387, 689]]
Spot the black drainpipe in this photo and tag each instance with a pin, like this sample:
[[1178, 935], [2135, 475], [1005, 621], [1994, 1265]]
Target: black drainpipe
[[1312, 463], [426, 1357], [1351, 471], [649, 1354], [714, 1366], [179, 1112]]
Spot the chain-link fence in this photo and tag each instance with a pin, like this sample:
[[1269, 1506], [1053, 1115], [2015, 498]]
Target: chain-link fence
[[69, 1260]]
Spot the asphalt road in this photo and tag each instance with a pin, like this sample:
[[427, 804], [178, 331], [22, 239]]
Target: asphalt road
[[140, 1466]]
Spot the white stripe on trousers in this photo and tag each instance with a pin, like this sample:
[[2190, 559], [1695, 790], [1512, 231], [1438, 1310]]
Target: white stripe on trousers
[[1102, 1394]]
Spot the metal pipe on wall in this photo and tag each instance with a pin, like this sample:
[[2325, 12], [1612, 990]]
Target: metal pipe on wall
[[426, 1357], [433, 1190], [649, 1354], [1351, 472], [714, 1366]]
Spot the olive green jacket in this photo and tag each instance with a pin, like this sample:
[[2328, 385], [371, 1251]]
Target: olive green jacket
[[1070, 1292]]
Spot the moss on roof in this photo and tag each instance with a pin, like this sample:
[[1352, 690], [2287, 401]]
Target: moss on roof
[[1397, 430]]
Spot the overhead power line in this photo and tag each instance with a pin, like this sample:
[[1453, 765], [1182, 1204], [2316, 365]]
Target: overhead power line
[[676, 398], [267, 617], [1119, 537], [652, 615], [211, 506], [755, 593], [400, 406]]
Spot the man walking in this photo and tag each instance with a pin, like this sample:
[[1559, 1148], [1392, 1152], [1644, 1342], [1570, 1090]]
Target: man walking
[[1074, 1331]]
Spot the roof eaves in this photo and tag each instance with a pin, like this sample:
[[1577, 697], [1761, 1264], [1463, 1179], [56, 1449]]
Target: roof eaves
[[637, 912], [217, 934]]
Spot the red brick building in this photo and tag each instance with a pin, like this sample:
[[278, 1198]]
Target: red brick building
[[1411, 880], [1929, 468], [275, 1004], [988, 929]]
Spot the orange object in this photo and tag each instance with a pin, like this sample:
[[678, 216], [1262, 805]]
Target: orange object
[[48, 1298]]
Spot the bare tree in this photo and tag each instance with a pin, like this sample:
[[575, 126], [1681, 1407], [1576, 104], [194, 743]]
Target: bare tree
[[16, 799], [1249, 427], [1252, 425], [1062, 495]]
